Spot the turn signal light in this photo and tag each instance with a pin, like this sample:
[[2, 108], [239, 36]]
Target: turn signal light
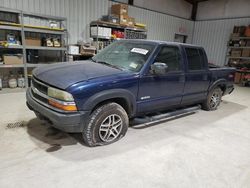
[[62, 106]]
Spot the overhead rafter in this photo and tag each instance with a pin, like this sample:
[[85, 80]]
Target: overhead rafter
[[195, 1], [195, 7]]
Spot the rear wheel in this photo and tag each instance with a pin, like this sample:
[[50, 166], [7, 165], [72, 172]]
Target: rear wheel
[[213, 100], [107, 124]]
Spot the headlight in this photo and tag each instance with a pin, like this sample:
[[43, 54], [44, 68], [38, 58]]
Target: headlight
[[59, 94]]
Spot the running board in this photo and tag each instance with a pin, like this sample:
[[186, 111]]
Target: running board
[[140, 123]]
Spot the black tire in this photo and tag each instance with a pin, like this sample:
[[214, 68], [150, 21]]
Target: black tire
[[98, 130], [213, 100]]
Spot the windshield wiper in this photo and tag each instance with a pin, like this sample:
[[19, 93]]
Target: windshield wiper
[[110, 65]]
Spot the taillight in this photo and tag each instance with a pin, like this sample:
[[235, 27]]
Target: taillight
[[231, 76]]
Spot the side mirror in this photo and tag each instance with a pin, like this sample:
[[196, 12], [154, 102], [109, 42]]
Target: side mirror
[[159, 68]]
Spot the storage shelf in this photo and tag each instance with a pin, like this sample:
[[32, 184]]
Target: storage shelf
[[10, 27], [100, 37], [49, 31], [30, 65], [45, 48], [12, 47], [22, 31], [238, 57], [239, 47], [117, 26], [136, 29], [12, 90], [31, 28], [238, 38], [12, 66]]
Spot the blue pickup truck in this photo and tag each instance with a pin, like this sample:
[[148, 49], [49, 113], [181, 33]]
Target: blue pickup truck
[[127, 79]]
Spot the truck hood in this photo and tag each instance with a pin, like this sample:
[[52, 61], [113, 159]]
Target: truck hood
[[63, 75]]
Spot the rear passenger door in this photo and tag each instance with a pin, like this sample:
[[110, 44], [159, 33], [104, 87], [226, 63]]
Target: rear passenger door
[[197, 77]]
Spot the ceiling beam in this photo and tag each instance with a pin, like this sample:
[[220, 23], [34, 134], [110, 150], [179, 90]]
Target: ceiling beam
[[195, 1], [194, 11], [194, 7]]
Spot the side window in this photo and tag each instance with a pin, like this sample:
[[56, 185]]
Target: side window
[[195, 59], [170, 55]]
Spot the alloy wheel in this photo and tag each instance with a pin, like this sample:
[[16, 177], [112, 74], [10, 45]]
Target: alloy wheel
[[110, 128]]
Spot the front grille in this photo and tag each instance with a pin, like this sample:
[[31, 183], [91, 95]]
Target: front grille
[[39, 90], [40, 98], [40, 86]]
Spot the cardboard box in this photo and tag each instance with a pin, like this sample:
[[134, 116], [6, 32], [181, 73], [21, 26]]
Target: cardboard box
[[247, 31], [33, 41], [87, 50], [107, 32], [119, 9], [73, 50], [248, 43], [237, 78], [124, 19], [131, 21], [97, 31], [235, 53], [245, 53], [12, 59]]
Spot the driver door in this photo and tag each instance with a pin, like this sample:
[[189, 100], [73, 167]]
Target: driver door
[[161, 91]]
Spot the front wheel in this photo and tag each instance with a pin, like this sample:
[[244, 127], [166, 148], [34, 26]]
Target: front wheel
[[107, 124], [213, 100]]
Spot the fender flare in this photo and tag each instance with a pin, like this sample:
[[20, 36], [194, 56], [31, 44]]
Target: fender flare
[[217, 83], [109, 95]]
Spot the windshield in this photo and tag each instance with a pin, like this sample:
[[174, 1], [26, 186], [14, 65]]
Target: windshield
[[127, 55]]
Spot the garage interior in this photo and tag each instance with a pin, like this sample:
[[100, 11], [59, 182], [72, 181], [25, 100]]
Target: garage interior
[[204, 149]]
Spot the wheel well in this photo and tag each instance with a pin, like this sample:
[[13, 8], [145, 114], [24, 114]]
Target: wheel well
[[222, 87], [121, 101]]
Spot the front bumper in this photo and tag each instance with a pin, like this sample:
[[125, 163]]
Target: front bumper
[[68, 122]]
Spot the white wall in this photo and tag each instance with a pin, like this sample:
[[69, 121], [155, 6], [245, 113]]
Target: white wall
[[214, 35], [214, 9], [219, 17], [80, 13], [178, 8]]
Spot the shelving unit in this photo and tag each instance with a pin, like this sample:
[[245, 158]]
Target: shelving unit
[[23, 27], [240, 46], [238, 53], [128, 33]]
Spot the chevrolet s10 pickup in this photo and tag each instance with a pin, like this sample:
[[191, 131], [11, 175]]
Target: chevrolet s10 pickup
[[127, 79]]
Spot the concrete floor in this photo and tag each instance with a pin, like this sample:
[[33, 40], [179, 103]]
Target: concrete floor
[[207, 149]]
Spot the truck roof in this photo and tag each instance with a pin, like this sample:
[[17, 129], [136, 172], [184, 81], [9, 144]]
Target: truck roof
[[158, 42]]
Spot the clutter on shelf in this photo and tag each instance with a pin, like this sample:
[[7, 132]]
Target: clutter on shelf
[[238, 54], [117, 25]]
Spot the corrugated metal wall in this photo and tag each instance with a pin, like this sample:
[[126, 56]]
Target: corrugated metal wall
[[80, 13], [214, 35], [161, 26]]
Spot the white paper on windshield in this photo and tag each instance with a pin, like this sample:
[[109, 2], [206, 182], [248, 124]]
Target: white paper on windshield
[[133, 65], [139, 51]]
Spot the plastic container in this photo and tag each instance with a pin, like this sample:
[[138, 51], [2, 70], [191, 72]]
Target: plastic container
[[21, 81], [12, 81]]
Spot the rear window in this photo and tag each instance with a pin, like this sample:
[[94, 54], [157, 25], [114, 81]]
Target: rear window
[[195, 59]]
